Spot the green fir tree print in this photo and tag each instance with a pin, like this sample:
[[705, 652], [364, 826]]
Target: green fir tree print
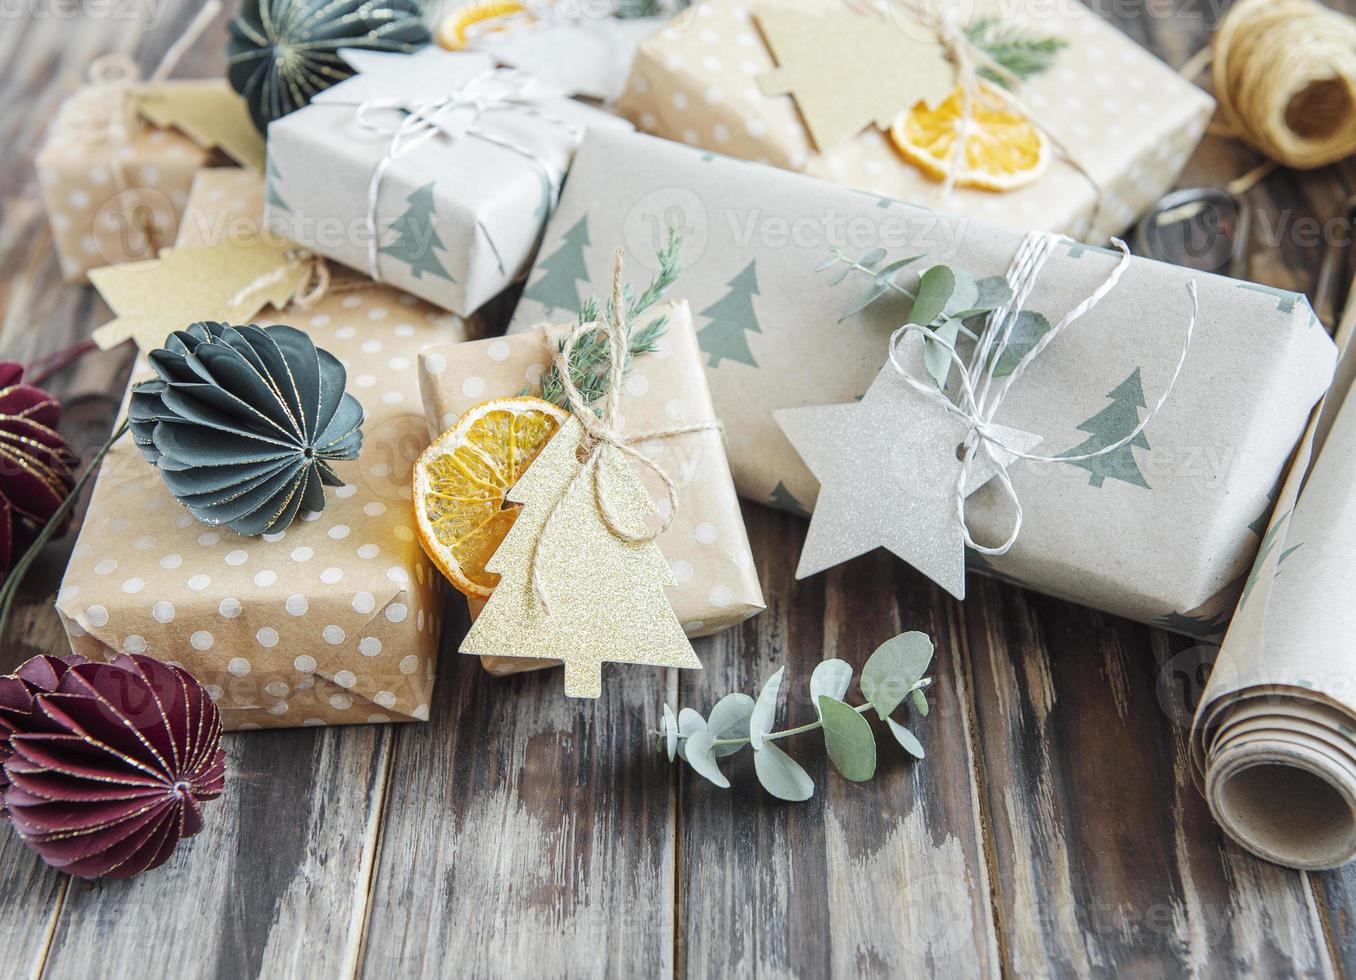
[[731, 317], [1108, 427], [557, 288], [416, 237], [784, 499], [272, 179]]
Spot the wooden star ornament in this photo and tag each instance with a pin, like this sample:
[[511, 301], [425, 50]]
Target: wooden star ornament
[[888, 468]]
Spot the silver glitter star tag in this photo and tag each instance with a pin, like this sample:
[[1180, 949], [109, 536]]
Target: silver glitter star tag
[[888, 468]]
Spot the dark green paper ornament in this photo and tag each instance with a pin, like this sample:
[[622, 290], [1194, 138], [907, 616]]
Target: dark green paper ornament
[[243, 423], [282, 52]]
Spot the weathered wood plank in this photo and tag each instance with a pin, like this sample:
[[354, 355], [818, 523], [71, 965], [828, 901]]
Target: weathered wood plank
[[879, 880], [526, 834]]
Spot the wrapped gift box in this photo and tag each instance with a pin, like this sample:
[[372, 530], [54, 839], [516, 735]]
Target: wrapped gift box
[[1167, 545], [459, 206], [114, 182], [706, 544], [332, 621], [1128, 119]]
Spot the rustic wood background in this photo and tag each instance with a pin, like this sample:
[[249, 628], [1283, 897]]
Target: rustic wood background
[[1055, 829]]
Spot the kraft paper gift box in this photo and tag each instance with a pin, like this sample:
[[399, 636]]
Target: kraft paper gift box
[[1169, 541], [334, 620], [1125, 117], [706, 545], [119, 160], [457, 206]]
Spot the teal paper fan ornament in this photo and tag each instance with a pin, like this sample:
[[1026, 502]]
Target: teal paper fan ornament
[[243, 423], [280, 53]]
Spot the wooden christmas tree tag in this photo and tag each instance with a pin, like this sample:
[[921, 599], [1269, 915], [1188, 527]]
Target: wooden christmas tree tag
[[848, 71], [606, 595], [230, 283], [208, 113]]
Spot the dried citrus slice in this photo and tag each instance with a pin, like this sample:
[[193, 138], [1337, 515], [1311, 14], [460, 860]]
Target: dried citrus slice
[[1003, 149], [464, 24], [460, 483]]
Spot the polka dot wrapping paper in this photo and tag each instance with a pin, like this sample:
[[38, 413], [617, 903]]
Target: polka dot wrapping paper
[[334, 620], [706, 545], [94, 185], [1127, 118], [1164, 533]]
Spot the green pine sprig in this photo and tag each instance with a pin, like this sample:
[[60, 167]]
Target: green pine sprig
[[893, 673], [592, 355], [1017, 50]]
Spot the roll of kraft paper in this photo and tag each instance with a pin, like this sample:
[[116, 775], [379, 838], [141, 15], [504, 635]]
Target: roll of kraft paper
[[1275, 732]]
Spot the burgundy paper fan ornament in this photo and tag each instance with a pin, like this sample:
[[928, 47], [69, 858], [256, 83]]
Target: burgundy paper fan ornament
[[17, 703], [110, 768], [37, 466]]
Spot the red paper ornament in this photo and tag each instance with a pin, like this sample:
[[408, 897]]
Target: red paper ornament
[[110, 764], [37, 466], [17, 705]]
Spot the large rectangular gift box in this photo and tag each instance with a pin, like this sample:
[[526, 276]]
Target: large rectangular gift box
[[454, 164], [120, 158], [1120, 124], [1166, 536], [332, 621], [706, 545]]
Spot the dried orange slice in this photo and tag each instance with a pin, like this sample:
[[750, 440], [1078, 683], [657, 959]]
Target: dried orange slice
[[463, 25], [460, 483], [1003, 150]]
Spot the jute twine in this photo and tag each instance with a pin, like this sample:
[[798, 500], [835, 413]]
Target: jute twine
[[600, 433], [1285, 79]]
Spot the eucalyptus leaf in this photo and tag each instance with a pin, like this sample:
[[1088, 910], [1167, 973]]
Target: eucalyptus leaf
[[905, 738], [878, 292], [781, 775], [765, 710], [848, 740], [891, 672], [840, 275], [730, 719], [830, 262], [920, 701], [701, 757], [886, 272], [935, 287], [669, 726], [1026, 333], [872, 257], [964, 294], [830, 679], [936, 358], [991, 293], [689, 723]]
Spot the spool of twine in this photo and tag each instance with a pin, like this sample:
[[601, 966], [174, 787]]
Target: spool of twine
[[1285, 78]]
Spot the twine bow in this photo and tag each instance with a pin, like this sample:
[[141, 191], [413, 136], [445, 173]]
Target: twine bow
[[315, 285], [454, 115], [980, 394], [600, 433]]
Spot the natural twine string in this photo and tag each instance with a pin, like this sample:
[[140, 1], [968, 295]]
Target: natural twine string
[[318, 282], [1285, 80], [600, 433]]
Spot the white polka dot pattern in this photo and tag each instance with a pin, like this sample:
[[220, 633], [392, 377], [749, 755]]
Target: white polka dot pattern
[[318, 624], [1117, 131]]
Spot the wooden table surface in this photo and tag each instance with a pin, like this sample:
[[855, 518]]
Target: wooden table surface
[[1054, 830]]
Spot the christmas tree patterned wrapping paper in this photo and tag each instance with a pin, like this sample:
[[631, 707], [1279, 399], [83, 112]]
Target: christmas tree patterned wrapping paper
[[103, 192], [1128, 119], [706, 545], [458, 213], [334, 620], [1162, 531]]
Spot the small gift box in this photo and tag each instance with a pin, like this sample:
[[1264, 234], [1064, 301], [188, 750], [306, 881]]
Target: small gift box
[[780, 271], [706, 545], [434, 172], [120, 158], [333, 620], [1117, 125]]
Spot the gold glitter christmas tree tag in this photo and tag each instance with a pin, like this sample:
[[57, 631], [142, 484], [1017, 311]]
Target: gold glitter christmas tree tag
[[230, 283], [208, 113], [572, 590]]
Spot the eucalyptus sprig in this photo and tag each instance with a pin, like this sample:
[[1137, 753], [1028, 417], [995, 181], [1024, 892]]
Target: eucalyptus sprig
[[893, 673], [948, 300], [1017, 50], [591, 357]]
